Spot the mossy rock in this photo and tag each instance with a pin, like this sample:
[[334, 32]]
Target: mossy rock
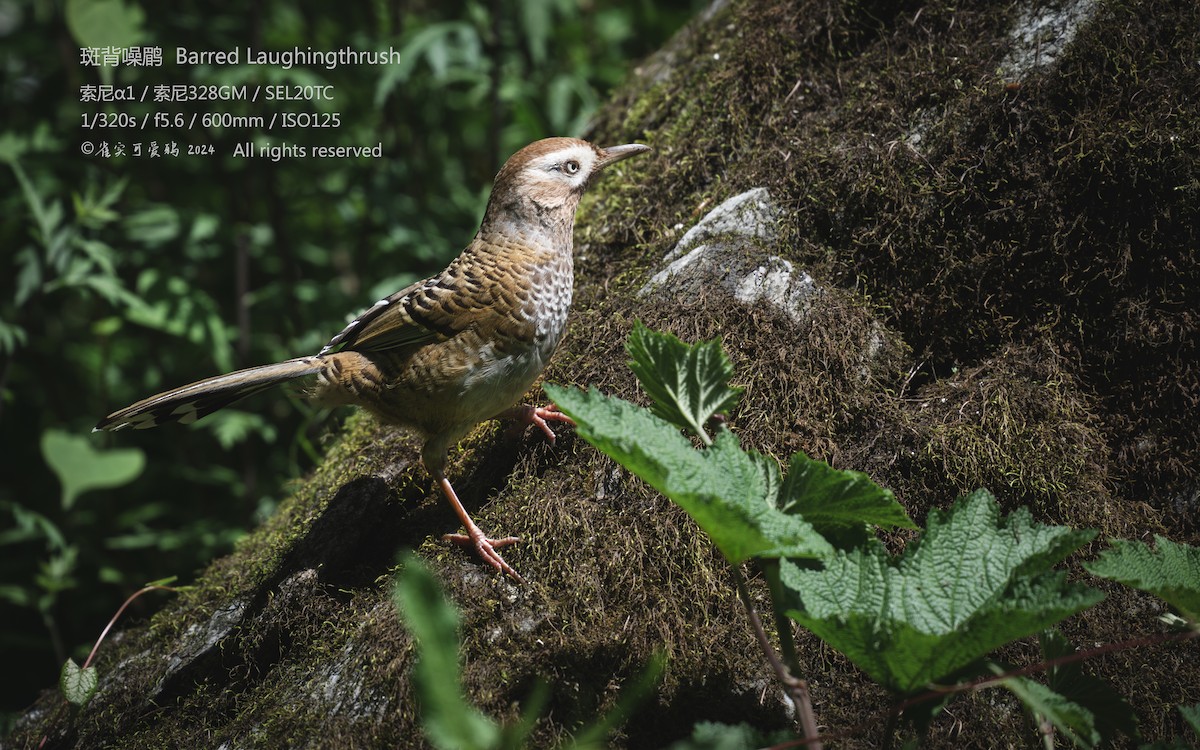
[[1005, 245]]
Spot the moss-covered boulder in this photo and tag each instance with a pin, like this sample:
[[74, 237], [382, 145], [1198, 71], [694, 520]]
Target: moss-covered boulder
[[993, 208]]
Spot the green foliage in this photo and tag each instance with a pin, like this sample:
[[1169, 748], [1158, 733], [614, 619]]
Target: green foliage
[[99, 23], [77, 685], [1113, 713], [687, 384], [1191, 714], [1076, 722], [972, 583], [1170, 571], [736, 496], [1085, 709], [843, 505], [729, 492], [81, 467]]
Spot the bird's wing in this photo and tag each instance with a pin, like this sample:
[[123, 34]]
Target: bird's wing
[[415, 315]]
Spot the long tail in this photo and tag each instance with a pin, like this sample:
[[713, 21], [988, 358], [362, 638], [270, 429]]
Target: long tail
[[188, 403]]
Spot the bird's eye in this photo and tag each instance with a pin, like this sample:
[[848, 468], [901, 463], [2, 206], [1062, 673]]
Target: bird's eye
[[571, 167]]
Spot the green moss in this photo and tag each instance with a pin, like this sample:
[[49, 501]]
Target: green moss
[[1020, 262]]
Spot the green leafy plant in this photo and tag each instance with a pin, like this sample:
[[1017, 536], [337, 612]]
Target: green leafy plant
[[449, 720], [972, 583], [1170, 571], [78, 684], [922, 623], [738, 497]]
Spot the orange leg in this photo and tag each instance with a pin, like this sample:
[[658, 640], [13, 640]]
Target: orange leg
[[536, 415], [484, 547]]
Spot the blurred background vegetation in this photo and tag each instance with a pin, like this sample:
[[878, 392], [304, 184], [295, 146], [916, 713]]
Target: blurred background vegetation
[[123, 275]]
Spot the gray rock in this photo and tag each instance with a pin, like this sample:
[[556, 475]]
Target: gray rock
[[730, 248], [1042, 33]]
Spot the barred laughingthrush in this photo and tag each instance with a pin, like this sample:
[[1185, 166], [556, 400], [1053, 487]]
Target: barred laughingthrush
[[456, 349]]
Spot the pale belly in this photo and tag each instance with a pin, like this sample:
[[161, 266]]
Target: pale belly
[[445, 388], [500, 381]]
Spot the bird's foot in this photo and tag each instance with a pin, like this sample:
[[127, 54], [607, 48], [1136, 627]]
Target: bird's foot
[[537, 415], [486, 549]]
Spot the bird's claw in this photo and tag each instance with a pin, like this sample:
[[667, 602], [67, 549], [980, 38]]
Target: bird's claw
[[540, 416], [486, 549]]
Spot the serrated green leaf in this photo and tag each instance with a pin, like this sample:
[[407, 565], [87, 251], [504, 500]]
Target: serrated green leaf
[[688, 384], [722, 487], [81, 467], [835, 500], [1076, 722], [971, 583], [449, 721], [77, 685], [1170, 571]]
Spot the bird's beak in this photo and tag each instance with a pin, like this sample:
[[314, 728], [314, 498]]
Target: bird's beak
[[617, 153]]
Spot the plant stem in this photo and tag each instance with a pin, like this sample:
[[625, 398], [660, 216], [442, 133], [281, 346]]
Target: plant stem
[[88, 662], [787, 642], [796, 688], [113, 621]]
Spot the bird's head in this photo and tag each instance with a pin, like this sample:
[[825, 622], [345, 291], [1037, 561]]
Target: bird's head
[[542, 183]]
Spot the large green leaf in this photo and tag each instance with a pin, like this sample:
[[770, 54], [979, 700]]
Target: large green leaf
[[450, 722], [688, 384], [972, 583], [728, 491], [80, 467], [1191, 714], [1170, 571], [838, 503]]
